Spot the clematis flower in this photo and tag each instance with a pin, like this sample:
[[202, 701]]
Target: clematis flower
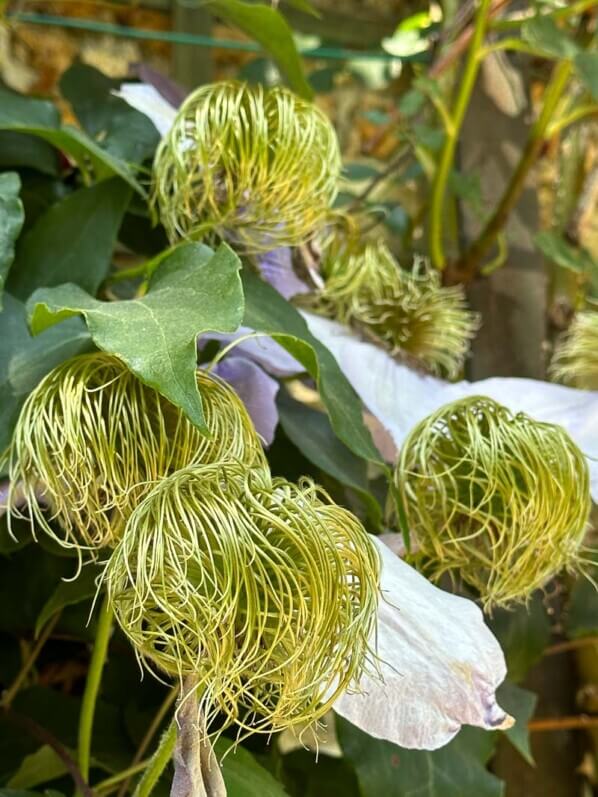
[[400, 397]]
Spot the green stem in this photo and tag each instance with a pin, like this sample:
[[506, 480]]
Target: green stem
[[158, 762], [109, 785], [92, 686], [468, 265], [447, 155]]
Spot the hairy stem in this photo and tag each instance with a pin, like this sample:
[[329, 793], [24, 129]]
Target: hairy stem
[[468, 265], [92, 686], [158, 762], [562, 723], [447, 156]]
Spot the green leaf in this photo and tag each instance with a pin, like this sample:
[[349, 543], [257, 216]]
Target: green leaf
[[109, 120], [193, 291], [582, 614], [553, 246], [266, 311], [544, 35], [311, 432], [359, 171], [456, 770], [520, 704], [25, 360], [523, 633], [12, 217], [305, 6], [41, 119], [270, 29], [586, 64], [68, 593], [39, 767], [21, 150], [243, 776], [72, 241]]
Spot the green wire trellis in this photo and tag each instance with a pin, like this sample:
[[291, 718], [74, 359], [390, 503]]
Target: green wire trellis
[[178, 37]]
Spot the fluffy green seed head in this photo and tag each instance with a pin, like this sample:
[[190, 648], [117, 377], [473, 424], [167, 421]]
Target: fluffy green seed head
[[575, 359], [258, 168], [91, 439], [264, 591], [498, 500], [409, 311]]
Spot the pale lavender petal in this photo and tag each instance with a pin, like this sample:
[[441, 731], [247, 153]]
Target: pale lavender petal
[[440, 665], [256, 389], [173, 93], [277, 269], [147, 100], [400, 397], [262, 350]]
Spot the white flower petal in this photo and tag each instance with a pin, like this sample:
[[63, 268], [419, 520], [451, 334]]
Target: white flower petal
[[440, 665], [400, 397], [149, 101]]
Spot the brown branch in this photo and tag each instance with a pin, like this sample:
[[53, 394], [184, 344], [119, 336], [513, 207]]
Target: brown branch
[[562, 723], [45, 737], [571, 644]]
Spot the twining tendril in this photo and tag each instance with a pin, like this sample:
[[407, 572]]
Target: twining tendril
[[258, 168], [575, 359], [498, 500], [92, 438], [264, 590], [409, 311]]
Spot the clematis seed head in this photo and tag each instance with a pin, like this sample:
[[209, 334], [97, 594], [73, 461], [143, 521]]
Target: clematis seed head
[[258, 168], [498, 500], [409, 311], [92, 438], [263, 591], [575, 359]]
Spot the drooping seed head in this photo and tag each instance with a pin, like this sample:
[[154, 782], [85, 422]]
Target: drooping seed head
[[264, 591], [409, 311], [258, 168], [92, 438], [498, 500], [575, 359]]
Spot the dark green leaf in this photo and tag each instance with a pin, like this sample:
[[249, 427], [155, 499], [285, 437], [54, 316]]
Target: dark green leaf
[[243, 776], [411, 102], [520, 704], [41, 119], [553, 246], [303, 5], [586, 64], [20, 150], [39, 767], [582, 616], [544, 35], [270, 29], [193, 291], [68, 593], [19, 111], [72, 241], [311, 432], [266, 311], [115, 125], [59, 713], [25, 360], [12, 217], [456, 770], [523, 633]]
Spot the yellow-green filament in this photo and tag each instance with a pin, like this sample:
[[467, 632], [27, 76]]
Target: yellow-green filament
[[258, 168], [575, 359], [498, 500], [263, 590], [91, 439]]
